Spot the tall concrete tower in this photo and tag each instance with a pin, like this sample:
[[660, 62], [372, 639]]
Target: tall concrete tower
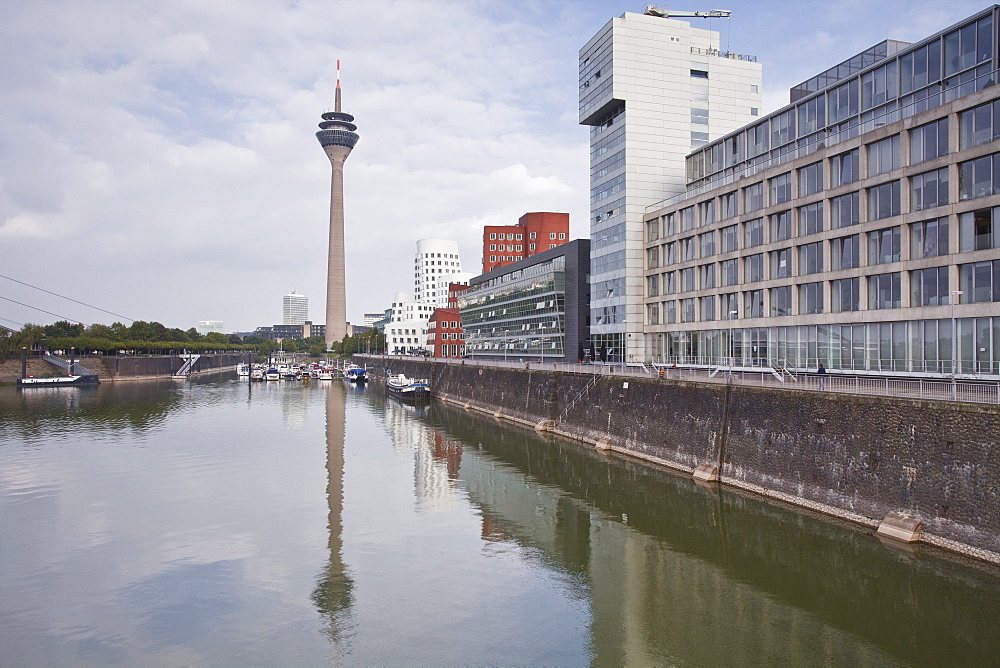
[[337, 136]]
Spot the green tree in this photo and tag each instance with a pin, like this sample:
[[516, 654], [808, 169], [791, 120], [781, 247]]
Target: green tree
[[216, 337], [233, 338], [64, 328], [99, 331], [254, 339], [193, 335], [174, 334]]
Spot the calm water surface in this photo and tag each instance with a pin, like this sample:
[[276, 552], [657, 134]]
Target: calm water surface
[[308, 524]]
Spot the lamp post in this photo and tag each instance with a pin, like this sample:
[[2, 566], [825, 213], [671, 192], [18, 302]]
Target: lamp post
[[955, 294], [732, 346]]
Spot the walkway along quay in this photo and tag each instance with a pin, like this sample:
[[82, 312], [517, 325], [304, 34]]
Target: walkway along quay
[[914, 469], [111, 368]]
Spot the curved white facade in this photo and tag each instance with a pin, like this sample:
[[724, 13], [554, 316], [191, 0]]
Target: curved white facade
[[435, 260]]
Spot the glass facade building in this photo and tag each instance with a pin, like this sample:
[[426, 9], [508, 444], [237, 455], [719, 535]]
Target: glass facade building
[[531, 309], [858, 227]]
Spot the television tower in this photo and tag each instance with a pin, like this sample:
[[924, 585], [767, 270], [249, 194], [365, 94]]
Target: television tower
[[337, 136]]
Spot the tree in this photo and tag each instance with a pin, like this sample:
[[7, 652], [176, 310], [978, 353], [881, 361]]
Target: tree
[[64, 328], [174, 334], [233, 338], [215, 337], [193, 335]]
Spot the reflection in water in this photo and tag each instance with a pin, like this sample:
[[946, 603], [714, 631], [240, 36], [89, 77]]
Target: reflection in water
[[333, 593], [678, 574]]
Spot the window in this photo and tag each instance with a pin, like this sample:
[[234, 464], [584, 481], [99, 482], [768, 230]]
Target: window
[[518, 238], [688, 249], [669, 253], [493, 235], [730, 239], [729, 205], [753, 233], [781, 301], [883, 201], [531, 235], [781, 188], [707, 308], [883, 156], [552, 236], [730, 272], [670, 283], [706, 276], [929, 141], [929, 287], [669, 225], [687, 280], [883, 291], [781, 225], [730, 306], [669, 313], [687, 219], [753, 268], [919, 68], [980, 281], [929, 238], [842, 102], [562, 235], [929, 189], [979, 125], [811, 298], [531, 247], [879, 86], [979, 230], [653, 257], [753, 197], [782, 128], [883, 246], [812, 115], [979, 177], [699, 74], [652, 314], [811, 259], [844, 211], [810, 179], [844, 169], [844, 295], [706, 211], [845, 252], [699, 116], [707, 243], [753, 304], [687, 310], [781, 263], [811, 218], [493, 247], [519, 249], [968, 46]]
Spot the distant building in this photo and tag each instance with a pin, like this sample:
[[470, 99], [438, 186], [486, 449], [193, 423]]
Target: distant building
[[371, 318], [407, 331], [444, 333], [206, 326], [533, 233], [435, 266], [294, 309], [531, 309], [303, 331]]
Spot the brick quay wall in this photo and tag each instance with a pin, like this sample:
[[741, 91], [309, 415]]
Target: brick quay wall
[[858, 457]]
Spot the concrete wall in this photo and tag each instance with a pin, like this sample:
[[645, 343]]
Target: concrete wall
[[123, 368], [853, 456]]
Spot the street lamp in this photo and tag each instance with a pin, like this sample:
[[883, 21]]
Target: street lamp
[[955, 294], [732, 346]]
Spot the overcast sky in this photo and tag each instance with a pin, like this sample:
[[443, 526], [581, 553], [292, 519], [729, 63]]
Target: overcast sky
[[158, 159]]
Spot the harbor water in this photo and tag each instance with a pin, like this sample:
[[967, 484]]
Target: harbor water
[[215, 522]]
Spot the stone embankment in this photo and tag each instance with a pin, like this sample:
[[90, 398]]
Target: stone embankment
[[110, 369], [915, 469]]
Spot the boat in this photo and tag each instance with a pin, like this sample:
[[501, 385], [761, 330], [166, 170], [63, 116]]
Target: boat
[[257, 374], [407, 388], [57, 381], [272, 374], [243, 370], [356, 374], [325, 374]]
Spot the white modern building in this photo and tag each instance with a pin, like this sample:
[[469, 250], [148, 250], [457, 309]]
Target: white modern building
[[652, 88], [206, 326], [435, 266], [408, 328], [294, 309]]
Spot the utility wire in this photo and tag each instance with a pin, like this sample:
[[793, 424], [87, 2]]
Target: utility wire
[[42, 310], [15, 322], [117, 315]]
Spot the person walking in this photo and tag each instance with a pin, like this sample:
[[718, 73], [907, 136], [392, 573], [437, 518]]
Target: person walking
[[822, 376]]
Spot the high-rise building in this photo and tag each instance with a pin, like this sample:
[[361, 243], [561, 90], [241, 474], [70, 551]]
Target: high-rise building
[[435, 266], [337, 136], [206, 326], [534, 233], [294, 309], [652, 88], [857, 228]]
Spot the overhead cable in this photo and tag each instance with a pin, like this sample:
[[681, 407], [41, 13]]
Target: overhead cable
[[56, 294]]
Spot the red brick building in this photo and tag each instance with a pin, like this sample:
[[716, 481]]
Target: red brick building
[[444, 333], [534, 233]]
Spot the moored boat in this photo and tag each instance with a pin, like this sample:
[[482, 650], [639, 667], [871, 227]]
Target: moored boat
[[57, 381], [407, 388], [272, 374], [243, 370], [356, 374], [257, 374]]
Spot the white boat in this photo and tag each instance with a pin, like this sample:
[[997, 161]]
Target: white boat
[[56, 381], [325, 374], [355, 374], [272, 374], [407, 388], [257, 374], [243, 370]]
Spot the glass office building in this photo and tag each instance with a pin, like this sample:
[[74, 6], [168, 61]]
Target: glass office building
[[858, 227]]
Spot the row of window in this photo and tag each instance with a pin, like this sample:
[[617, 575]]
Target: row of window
[[979, 282]]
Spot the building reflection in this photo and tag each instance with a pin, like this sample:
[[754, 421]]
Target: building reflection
[[334, 595], [436, 456]]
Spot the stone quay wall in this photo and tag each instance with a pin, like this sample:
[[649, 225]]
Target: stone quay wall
[[857, 457], [158, 366]]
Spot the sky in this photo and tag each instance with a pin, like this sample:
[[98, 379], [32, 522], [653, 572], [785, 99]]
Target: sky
[[158, 160]]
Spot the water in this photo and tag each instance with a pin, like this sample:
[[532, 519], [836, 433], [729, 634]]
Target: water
[[301, 524]]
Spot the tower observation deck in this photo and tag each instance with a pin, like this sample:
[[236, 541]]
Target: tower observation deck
[[337, 135]]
